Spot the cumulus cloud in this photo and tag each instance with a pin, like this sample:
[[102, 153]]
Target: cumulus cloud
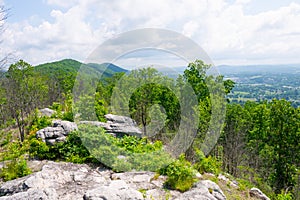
[[223, 29]]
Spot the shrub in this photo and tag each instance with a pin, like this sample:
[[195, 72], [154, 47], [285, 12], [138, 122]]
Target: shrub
[[121, 165], [5, 138], [58, 110], [180, 174], [68, 116], [72, 150], [38, 149], [207, 164], [283, 196], [150, 161], [12, 150], [15, 169], [38, 123], [134, 144], [137, 153]]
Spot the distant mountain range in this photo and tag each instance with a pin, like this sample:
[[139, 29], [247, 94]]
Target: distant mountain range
[[253, 82], [70, 67], [259, 69], [66, 66]]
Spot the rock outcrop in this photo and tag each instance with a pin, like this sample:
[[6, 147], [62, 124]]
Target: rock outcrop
[[205, 189], [256, 193], [57, 133], [117, 125], [67, 181], [46, 112]]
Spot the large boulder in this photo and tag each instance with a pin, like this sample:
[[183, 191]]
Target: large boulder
[[46, 112], [57, 132], [118, 125]]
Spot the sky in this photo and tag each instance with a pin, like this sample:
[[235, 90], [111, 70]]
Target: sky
[[231, 32]]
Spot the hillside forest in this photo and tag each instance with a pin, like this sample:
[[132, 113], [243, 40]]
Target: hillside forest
[[258, 144]]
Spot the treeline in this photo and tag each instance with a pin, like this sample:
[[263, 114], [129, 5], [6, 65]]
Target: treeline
[[260, 142], [256, 141]]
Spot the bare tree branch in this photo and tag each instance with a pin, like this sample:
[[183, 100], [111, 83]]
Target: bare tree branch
[[6, 56]]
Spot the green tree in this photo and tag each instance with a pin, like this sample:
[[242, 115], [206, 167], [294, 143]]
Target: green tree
[[284, 137], [274, 143], [233, 139], [210, 91], [25, 91], [139, 91]]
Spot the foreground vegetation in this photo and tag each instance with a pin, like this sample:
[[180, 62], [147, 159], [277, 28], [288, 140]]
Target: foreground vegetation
[[258, 145]]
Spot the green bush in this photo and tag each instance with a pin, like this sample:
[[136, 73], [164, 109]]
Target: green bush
[[13, 150], [150, 161], [283, 196], [134, 144], [68, 116], [5, 138], [139, 153], [121, 165], [207, 164], [72, 150], [38, 122], [136, 153], [57, 107], [63, 111], [38, 149], [180, 174], [15, 168]]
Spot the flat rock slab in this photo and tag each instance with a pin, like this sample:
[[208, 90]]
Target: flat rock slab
[[117, 125]]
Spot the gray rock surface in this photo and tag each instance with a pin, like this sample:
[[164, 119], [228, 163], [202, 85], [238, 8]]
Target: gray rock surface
[[256, 193], [57, 133], [206, 190], [115, 125], [56, 181], [46, 112], [118, 125], [67, 181], [116, 190]]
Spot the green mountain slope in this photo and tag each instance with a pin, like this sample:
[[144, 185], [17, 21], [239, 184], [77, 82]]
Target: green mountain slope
[[64, 72], [69, 66]]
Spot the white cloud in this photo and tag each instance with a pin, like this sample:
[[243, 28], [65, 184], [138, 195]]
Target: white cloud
[[242, 1], [222, 29], [64, 4], [190, 28]]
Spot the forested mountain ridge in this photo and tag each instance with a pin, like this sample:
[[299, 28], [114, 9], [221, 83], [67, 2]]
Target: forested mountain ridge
[[70, 66], [64, 72]]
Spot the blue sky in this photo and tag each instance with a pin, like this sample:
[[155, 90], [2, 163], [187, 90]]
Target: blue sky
[[230, 31]]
